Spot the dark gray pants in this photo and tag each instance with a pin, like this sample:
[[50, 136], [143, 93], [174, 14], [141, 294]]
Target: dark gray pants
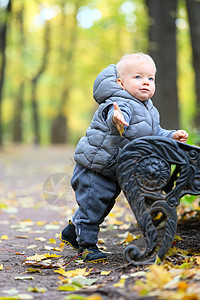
[[95, 195]]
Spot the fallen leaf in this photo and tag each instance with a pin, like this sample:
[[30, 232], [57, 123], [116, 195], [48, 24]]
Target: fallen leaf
[[40, 223], [120, 283], [94, 297], [128, 237], [4, 237], [52, 227], [31, 270], [24, 278], [1, 267], [36, 289], [68, 287], [82, 281], [48, 247], [47, 264], [101, 241], [52, 241], [32, 247], [71, 273], [12, 291], [105, 272], [39, 257], [178, 238], [41, 239], [75, 297], [197, 258], [22, 237], [157, 276], [62, 245]]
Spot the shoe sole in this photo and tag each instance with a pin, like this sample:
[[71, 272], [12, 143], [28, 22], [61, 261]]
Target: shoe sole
[[66, 242]]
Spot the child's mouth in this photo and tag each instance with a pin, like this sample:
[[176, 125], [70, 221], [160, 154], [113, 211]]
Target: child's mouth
[[144, 90]]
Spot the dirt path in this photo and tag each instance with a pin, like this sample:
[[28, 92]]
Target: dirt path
[[31, 219]]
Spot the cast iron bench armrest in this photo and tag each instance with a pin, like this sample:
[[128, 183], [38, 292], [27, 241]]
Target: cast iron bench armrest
[[154, 173]]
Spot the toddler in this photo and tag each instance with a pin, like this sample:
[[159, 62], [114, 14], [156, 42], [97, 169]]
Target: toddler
[[126, 112]]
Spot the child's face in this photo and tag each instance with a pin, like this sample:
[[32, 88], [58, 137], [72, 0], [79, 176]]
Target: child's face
[[138, 78]]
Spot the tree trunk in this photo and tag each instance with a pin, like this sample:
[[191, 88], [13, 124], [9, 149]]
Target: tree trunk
[[3, 33], [35, 80], [59, 126], [162, 48], [19, 100], [193, 8], [17, 118]]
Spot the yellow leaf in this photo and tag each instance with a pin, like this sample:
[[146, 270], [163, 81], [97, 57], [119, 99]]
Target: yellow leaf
[[172, 251], [117, 222], [62, 246], [182, 286], [88, 272], [101, 241], [39, 257], [40, 223], [111, 215], [52, 241], [158, 260], [157, 277], [94, 297], [57, 249], [105, 272], [128, 237], [178, 238], [71, 273], [4, 237], [1, 267], [67, 287], [120, 128], [36, 289], [120, 283]]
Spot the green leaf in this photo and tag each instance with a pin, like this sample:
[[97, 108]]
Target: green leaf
[[75, 297], [36, 289], [67, 287], [82, 281]]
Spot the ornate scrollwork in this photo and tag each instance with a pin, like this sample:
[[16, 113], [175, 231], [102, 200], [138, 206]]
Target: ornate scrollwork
[[154, 173]]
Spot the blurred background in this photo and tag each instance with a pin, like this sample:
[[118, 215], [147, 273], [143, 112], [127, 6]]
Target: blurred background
[[51, 52]]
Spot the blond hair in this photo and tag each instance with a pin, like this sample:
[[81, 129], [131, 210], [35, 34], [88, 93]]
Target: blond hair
[[125, 60]]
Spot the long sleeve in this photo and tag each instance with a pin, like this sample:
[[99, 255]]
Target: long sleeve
[[126, 111]]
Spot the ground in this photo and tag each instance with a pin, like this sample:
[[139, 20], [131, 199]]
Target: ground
[[36, 202]]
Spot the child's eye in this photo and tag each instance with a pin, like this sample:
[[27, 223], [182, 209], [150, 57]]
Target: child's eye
[[137, 77], [151, 79]]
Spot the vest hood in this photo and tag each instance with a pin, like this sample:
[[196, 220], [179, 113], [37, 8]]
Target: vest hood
[[105, 85]]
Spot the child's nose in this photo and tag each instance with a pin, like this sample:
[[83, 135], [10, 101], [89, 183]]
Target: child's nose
[[146, 82]]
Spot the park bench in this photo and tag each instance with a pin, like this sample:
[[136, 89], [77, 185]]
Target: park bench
[[154, 173]]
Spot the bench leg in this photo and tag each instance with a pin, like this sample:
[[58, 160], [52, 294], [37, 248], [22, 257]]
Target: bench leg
[[144, 219]]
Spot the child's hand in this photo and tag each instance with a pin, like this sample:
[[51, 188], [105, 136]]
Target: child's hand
[[180, 135], [118, 119]]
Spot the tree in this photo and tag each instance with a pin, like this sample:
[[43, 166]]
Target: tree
[[35, 80], [59, 126], [162, 47], [19, 99], [4, 22], [193, 8]]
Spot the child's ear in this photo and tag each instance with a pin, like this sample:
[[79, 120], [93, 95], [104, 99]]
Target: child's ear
[[120, 83]]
